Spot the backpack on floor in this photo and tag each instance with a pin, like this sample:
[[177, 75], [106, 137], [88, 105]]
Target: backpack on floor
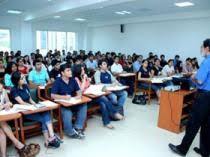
[[139, 100]]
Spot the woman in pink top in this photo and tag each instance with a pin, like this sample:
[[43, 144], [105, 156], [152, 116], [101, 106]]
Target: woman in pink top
[[107, 108]]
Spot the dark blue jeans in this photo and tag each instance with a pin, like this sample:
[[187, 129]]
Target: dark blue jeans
[[107, 109], [67, 114], [44, 118]]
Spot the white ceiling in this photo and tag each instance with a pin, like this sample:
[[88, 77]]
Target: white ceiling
[[96, 10]]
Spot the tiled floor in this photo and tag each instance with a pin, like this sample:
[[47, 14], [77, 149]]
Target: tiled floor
[[136, 136]]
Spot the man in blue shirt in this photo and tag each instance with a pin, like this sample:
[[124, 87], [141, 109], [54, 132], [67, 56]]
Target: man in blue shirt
[[38, 76], [200, 115], [137, 63], [91, 63], [66, 87], [104, 76]]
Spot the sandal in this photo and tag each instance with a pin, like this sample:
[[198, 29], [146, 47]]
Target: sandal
[[30, 150]]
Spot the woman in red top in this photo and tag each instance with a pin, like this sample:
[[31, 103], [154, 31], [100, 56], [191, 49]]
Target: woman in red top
[[21, 67]]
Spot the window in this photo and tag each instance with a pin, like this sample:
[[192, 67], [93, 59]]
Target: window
[[50, 40], [4, 40], [41, 43]]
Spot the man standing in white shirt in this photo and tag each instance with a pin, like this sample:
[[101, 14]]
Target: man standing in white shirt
[[116, 68]]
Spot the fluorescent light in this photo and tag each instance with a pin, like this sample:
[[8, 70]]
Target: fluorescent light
[[126, 12], [14, 12], [57, 17], [80, 19], [184, 4], [122, 12]]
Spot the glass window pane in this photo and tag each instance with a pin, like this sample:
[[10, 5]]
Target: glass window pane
[[51, 40], [61, 41], [4, 40], [41, 41], [71, 41]]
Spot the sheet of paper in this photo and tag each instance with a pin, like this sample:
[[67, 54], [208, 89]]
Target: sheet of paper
[[127, 74], [70, 101], [48, 103], [115, 88], [95, 90], [18, 107]]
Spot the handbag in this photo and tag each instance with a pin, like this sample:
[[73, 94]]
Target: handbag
[[139, 100]]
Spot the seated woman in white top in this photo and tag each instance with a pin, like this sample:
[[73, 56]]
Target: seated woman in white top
[[5, 131], [168, 70]]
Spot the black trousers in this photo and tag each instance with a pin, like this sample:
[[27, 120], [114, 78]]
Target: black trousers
[[198, 119], [205, 138]]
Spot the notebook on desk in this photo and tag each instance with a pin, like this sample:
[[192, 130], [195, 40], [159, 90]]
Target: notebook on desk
[[70, 101]]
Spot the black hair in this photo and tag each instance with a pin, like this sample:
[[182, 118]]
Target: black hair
[[170, 60], [206, 43], [77, 70], [144, 61], [156, 59], [116, 57], [101, 61], [162, 56], [15, 78], [63, 67], [19, 58], [177, 56], [8, 69], [189, 59], [54, 62], [37, 61]]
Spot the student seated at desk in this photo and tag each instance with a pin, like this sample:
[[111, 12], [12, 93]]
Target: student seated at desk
[[66, 87], [116, 67], [11, 68], [106, 106], [156, 69], [144, 74], [20, 94], [38, 76], [104, 76], [187, 67], [55, 72], [21, 67], [5, 131], [168, 70]]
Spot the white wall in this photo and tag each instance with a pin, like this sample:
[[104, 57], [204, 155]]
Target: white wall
[[23, 34], [183, 37], [14, 24]]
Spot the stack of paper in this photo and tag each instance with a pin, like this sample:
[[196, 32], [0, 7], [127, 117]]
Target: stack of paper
[[70, 101], [95, 90], [160, 79]]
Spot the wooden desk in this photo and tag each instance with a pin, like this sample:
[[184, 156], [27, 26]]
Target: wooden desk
[[36, 125], [10, 117], [174, 109]]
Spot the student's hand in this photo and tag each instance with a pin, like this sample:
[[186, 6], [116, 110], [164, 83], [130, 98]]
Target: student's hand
[[7, 106]]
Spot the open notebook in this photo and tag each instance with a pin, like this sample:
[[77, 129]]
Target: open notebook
[[70, 101], [95, 90], [115, 88]]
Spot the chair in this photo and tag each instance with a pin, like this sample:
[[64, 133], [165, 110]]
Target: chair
[[145, 91]]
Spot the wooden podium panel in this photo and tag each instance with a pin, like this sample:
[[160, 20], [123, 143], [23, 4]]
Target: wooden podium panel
[[174, 109]]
